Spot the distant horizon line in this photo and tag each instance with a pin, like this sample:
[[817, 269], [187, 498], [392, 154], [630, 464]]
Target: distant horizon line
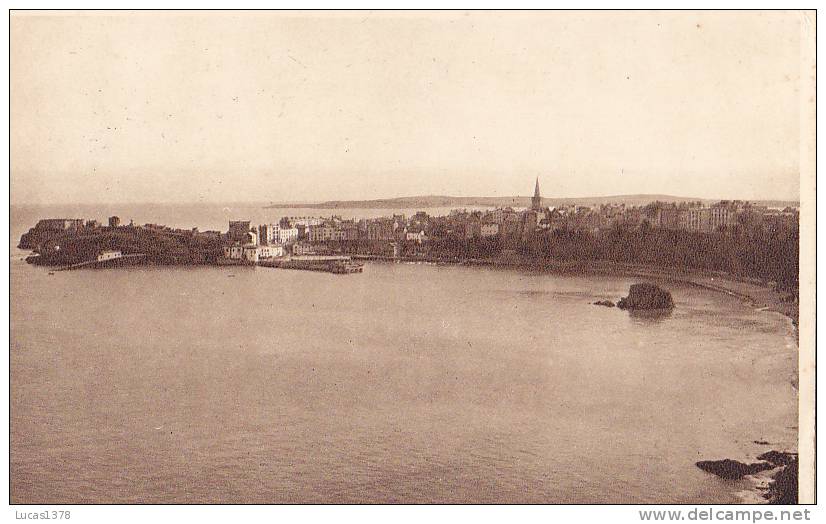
[[294, 203]]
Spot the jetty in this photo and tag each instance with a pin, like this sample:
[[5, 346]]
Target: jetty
[[340, 265]]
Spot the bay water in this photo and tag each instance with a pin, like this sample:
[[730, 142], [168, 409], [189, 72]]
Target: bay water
[[405, 383]]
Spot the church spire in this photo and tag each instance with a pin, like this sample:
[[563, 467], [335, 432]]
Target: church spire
[[536, 201]]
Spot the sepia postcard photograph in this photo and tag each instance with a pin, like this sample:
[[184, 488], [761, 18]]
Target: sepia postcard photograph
[[412, 257]]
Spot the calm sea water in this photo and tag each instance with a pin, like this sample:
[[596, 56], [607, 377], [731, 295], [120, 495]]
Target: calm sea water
[[406, 383]]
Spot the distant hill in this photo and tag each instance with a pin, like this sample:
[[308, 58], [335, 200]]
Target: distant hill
[[431, 201]]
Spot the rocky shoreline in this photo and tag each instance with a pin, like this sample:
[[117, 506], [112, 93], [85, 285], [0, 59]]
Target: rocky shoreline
[[782, 486], [782, 466], [781, 489]]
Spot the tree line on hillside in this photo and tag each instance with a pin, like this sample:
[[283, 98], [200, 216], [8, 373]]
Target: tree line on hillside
[[769, 255]]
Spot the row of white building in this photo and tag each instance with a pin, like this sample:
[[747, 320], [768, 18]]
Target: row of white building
[[265, 243], [269, 234], [251, 252]]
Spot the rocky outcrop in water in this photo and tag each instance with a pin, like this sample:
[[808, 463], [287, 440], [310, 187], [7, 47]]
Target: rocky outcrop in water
[[782, 488], [646, 297], [779, 458], [732, 469], [606, 303]]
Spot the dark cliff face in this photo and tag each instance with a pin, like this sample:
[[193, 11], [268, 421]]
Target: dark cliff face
[[783, 486], [35, 237], [646, 297]]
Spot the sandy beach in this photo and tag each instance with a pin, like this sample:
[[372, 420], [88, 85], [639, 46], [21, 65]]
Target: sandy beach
[[760, 294]]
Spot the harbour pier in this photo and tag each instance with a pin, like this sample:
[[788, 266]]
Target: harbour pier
[[340, 265]]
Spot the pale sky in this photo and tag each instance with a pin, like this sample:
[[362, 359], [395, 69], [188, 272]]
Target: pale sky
[[217, 107]]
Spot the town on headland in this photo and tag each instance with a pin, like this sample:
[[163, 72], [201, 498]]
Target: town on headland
[[736, 247], [737, 238]]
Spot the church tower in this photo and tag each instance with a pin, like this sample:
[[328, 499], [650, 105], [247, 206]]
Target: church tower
[[536, 201]]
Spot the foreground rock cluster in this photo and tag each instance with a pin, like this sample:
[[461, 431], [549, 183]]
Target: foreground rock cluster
[[646, 297], [783, 487]]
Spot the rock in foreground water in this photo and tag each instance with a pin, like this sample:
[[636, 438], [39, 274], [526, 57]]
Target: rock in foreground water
[[732, 469], [606, 303], [779, 458], [646, 296], [782, 488]]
